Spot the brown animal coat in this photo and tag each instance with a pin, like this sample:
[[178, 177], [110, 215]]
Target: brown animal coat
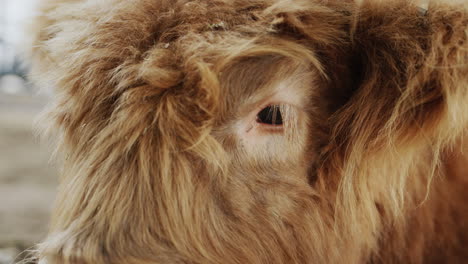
[[164, 161]]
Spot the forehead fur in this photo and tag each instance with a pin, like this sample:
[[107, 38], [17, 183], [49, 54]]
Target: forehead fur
[[170, 52], [121, 40]]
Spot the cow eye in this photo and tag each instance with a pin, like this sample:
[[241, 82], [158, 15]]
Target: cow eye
[[270, 115]]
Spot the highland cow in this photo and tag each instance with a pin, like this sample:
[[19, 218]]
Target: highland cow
[[256, 131]]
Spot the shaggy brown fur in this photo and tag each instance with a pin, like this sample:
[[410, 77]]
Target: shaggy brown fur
[[164, 162]]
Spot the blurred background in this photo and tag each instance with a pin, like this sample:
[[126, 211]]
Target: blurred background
[[27, 179]]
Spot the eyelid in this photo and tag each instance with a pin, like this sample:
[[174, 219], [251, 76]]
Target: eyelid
[[283, 96], [287, 96]]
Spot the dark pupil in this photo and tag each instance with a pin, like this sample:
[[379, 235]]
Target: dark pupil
[[270, 115]]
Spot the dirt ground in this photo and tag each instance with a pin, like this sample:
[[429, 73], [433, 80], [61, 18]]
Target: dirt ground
[[27, 180]]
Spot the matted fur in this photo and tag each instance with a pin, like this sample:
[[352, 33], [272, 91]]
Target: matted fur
[[149, 94]]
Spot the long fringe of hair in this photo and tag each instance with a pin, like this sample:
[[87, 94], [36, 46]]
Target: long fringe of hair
[[145, 182]]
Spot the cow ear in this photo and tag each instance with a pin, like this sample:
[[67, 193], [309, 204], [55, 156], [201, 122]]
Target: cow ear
[[412, 73]]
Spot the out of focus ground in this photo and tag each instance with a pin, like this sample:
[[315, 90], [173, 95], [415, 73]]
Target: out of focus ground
[[27, 180]]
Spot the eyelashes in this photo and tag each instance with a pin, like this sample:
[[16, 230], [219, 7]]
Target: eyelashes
[[272, 118], [271, 115]]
